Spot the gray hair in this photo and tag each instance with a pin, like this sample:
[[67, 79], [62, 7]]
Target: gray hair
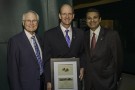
[[30, 11]]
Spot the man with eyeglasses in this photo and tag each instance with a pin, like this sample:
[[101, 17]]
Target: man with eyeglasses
[[25, 63]]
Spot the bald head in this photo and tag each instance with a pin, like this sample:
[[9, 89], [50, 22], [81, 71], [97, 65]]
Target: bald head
[[66, 5]]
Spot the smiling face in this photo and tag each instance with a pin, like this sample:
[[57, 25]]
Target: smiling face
[[66, 15], [93, 20], [30, 22]]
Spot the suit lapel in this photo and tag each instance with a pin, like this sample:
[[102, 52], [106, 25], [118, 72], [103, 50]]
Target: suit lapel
[[99, 41], [73, 37], [87, 35], [61, 36], [29, 47], [39, 41]]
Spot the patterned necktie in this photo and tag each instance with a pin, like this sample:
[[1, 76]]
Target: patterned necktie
[[37, 52], [67, 38], [93, 41]]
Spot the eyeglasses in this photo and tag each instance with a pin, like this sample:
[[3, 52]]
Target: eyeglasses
[[31, 21]]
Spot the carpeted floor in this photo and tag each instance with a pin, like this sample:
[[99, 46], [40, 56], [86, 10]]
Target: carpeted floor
[[127, 82]]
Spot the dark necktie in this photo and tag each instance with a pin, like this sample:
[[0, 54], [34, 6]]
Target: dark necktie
[[93, 41], [37, 52], [67, 38]]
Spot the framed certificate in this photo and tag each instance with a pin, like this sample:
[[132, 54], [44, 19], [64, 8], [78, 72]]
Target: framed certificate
[[64, 73]]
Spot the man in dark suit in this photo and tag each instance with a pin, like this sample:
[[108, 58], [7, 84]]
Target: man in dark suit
[[55, 45], [25, 64], [104, 55]]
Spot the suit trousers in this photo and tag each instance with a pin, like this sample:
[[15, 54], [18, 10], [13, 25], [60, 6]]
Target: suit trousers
[[42, 82]]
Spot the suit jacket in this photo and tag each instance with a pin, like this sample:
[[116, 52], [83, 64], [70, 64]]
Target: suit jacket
[[55, 46], [103, 66], [23, 68]]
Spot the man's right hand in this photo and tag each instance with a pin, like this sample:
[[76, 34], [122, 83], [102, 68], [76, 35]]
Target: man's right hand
[[49, 86]]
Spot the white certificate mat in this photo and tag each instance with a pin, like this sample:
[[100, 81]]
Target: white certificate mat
[[65, 73]]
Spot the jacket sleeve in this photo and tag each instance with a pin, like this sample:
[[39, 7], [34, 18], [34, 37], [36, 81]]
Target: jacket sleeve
[[118, 54], [13, 65]]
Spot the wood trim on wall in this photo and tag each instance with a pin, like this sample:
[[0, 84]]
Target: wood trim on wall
[[94, 3]]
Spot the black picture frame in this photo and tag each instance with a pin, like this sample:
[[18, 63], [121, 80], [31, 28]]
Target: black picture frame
[[65, 73]]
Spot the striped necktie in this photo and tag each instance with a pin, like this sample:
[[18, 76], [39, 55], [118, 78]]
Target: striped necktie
[[37, 52], [67, 38]]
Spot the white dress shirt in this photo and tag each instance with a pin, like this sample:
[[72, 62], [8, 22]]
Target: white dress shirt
[[31, 41], [69, 32], [96, 33]]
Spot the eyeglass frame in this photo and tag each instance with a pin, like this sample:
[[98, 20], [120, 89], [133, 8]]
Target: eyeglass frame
[[31, 21]]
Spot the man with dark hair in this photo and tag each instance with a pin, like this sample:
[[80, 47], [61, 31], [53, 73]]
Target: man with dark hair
[[104, 55]]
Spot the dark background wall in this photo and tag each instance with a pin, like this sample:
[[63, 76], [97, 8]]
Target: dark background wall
[[11, 23], [11, 11], [122, 13]]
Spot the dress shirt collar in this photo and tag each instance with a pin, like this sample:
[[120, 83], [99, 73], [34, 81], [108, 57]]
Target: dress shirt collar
[[96, 31], [63, 28], [28, 34]]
